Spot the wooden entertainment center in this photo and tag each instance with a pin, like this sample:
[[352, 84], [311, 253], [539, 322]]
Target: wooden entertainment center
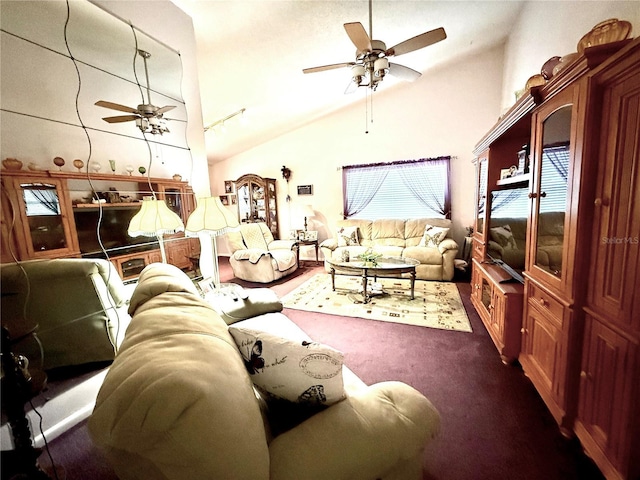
[[574, 325], [32, 235]]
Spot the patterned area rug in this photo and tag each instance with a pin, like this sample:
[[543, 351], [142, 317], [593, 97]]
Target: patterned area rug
[[436, 304]]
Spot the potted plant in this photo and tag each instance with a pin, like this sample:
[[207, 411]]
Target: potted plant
[[369, 257]]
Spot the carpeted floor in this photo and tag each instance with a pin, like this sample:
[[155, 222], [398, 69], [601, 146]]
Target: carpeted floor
[[435, 304], [494, 424]]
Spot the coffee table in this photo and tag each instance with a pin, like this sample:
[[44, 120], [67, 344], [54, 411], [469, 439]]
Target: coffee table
[[386, 267]]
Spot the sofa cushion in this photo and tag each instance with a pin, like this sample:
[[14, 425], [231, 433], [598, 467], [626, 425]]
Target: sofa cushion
[[433, 236], [298, 371], [347, 236]]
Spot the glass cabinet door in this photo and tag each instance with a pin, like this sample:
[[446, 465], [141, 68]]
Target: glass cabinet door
[[481, 196], [550, 192], [46, 228]]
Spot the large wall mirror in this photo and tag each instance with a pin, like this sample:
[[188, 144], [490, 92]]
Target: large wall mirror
[[40, 83]]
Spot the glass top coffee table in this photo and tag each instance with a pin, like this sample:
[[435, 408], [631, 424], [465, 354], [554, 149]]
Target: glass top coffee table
[[386, 267]]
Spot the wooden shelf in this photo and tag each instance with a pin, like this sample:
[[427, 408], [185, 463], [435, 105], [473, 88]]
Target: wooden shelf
[[106, 205], [517, 180]]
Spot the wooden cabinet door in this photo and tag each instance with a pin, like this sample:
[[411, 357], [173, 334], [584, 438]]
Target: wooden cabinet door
[[615, 258], [178, 253], [606, 386]]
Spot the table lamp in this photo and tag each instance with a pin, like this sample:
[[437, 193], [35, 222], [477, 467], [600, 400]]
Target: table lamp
[[155, 220], [210, 219], [308, 212]]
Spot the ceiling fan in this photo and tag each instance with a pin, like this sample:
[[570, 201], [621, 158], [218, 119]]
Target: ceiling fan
[[147, 116], [372, 56]]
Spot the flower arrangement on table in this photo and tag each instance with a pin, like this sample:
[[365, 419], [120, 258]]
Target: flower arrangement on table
[[369, 256]]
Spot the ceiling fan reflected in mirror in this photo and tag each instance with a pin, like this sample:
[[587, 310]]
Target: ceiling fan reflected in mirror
[[372, 56], [147, 116]]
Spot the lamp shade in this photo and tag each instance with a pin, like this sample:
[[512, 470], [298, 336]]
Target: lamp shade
[[212, 217], [154, 218]]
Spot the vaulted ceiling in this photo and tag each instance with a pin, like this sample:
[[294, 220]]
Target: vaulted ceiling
[[251, 55]]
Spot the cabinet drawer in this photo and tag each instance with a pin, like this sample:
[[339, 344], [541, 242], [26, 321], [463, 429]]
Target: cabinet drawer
[[544, 302], [478, 250]]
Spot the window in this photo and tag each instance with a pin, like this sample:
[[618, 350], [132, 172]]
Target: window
[[407, 189]]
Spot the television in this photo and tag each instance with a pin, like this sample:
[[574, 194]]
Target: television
[[113, 231], [507, 230]]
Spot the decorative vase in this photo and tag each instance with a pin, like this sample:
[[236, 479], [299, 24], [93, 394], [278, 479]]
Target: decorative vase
[[112, 164], [95, 166], [78, 164], [129, 169], [12, 164], [177, 177], [59, 162], [142, 170], [344, 256]]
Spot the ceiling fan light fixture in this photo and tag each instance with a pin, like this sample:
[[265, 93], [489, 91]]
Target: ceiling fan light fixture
[[381, 67], [357, 74]]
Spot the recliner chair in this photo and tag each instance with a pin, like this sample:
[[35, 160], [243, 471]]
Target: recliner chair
[[257, 257]]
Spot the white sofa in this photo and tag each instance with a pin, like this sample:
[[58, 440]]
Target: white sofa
[[398, 238], [179, 403]]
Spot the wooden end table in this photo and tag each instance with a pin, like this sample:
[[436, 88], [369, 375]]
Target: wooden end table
[[305, 243]]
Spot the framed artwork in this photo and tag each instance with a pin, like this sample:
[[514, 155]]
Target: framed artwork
[[224, 199], [311, 235], [234, 199], [228, 186], [305, 189]]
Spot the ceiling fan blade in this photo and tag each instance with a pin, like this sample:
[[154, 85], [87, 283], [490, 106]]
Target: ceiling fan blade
[[358, 36], [404, 73], [120, 119], [327, 67], [418, 42], [164, 109], [352, 87], [116, 106]]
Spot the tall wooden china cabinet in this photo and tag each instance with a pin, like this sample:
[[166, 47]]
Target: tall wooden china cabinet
[[580, 317], [49, 214], [257, 201]]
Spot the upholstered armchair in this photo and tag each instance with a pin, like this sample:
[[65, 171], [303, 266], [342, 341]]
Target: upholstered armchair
[[257, 257]]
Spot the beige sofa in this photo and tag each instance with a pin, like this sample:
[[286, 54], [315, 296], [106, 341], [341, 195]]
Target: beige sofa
[[179, 402], [512, 250], [399, 238]]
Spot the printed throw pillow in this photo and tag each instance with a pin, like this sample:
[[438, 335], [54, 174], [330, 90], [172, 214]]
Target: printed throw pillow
[[503, 236], [302, 372], [433, 236], [347, 236]]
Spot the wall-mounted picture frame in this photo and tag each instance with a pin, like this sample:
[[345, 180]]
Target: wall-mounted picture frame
[[224, 199], [234, 199], [228, 186], [305, 189]]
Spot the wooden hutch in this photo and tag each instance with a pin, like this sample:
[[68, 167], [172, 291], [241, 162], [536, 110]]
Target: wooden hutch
[[257, 201], [28, 234], [580, 316]]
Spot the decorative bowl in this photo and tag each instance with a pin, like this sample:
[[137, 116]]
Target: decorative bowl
[[177, 177], [608, 31], [534, 81], [564, 61], [547, 69], [12, 164]]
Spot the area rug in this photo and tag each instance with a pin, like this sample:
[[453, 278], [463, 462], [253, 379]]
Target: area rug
[[436, 304]]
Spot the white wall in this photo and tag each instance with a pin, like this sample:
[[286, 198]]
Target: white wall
[[445, 112], [554, 28], [165, 22]]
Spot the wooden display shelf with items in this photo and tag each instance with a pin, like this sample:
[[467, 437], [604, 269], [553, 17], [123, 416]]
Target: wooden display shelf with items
[[48, 214], [499, 304], [580, 340]]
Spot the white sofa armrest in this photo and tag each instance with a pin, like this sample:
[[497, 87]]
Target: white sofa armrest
[[282, 245], [381, 427], [447, 244]]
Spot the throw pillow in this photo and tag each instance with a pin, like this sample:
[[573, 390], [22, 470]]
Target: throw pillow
[[503, 236], [433, 236], [299, 371], [347, 236]]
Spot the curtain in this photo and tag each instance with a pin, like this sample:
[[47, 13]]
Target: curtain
[[364, 182]]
